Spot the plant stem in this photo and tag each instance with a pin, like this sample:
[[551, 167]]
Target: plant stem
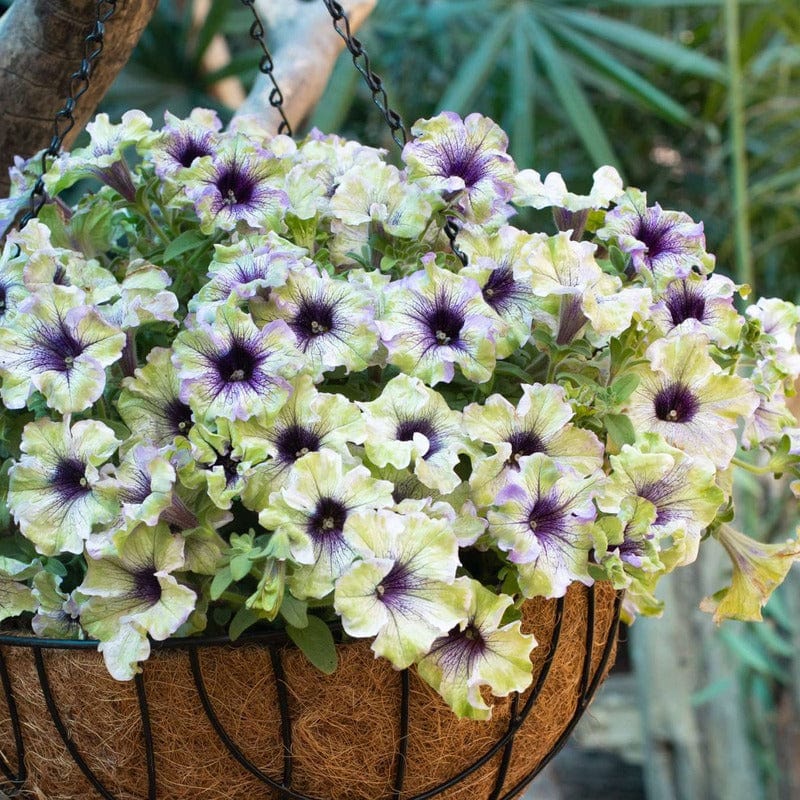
[[233, 598], [751, 467], [745, 272]]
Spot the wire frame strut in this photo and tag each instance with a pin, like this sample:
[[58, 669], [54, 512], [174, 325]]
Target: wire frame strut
[[593, 667], [64, 120]]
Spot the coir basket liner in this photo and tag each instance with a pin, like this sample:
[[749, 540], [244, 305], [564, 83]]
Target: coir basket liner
[[256, 720]]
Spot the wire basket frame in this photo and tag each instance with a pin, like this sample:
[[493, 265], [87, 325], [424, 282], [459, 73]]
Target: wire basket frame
[[275, 643]]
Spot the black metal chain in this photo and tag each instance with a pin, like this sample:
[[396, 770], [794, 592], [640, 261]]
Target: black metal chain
[[266, 67], [361, 61], [64, 120]]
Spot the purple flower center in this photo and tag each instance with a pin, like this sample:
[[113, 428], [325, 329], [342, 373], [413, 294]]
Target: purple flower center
[[328, 518], [523, 443], [235, 184], [178, 416], [675, 403], [393, 588], [442, 318], [69, 479], [2, 300], [500, 289], [185, 148], [657, 492], [546, 518], [146, 586], [60, 276], [315, 317], [407, 428], [657, 233], [457, 158], [236, 365], [295, 441], [57, 349], [230, 466], [138, 490], [685, 303]]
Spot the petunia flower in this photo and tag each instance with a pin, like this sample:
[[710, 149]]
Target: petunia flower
[[403, 589], [758, 569], [434, 320], [16, 596], [542, 519], [308, 422], [321, 493], [498, 263], [667, 243], [410, 424], [12, 287], [57, 613], [699, 304], [144, 297], [778, 344], [682, 490], [150, 403], [552, 192], [540, 423], [332, 320], [60, 346], [480, 652], [235, 187], [133, 595], [53, 491], [181, 141], [247, 269], [684, 396], [231, 369], [464, 158]]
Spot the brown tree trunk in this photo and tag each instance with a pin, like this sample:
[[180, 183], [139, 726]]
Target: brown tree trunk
[[41, 45]]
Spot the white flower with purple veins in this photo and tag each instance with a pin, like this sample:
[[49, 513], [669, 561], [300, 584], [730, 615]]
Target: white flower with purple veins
[[699, 305], [132, 595], [144, 297], [539, 424], [542, 519], [332, 320], [104, 157], [778, 346], [682, 490], [667, 243], [231, 369], [53, 488], [150, 403], [410, 424], [552, 192], [233, 187], [465, 159], [181, 141], [434, 320], [313, 509], [60, 346], [308, 422], [479, 652], [248, 269], [498, 262], [403, 589], [688, 399]]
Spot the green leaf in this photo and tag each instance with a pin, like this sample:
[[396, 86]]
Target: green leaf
[[188, 240], [212, 25], [571, 96], [294, 611], [316, 642], [55, 566], [750, 654], [624, 386], [476, 69], [240, 566], [711, 691], [222, 580], [657, 49], [620, 429], [522, 109], [241, 621]]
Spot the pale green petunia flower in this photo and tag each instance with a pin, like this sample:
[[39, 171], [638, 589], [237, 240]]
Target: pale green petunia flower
[[133, 594], [540, 423], [403, 590], [16, 596], [57, 612], [479, 652], [684, 396], [321, 493], [53, 488]]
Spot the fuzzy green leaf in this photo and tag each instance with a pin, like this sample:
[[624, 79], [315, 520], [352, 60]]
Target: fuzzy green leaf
[[316, 642]]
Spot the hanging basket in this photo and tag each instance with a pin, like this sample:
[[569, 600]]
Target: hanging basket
[[210, 720]]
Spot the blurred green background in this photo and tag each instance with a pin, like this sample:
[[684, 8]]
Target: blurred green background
[[696, 102]]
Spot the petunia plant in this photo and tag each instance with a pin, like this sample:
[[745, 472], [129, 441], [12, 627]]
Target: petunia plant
[[247, 384]]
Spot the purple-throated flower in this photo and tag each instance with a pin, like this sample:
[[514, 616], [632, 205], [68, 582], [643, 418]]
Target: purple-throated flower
[[181, 141]]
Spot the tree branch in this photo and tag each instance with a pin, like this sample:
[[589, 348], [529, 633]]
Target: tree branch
[[41, 45], [307, 49]]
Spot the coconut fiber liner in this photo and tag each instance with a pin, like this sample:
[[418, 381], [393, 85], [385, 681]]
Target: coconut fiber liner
[[344, 731]]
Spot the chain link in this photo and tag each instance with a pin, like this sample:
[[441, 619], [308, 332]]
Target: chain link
[[64, 120], [361, 61], [266, 67], [451, 230]]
